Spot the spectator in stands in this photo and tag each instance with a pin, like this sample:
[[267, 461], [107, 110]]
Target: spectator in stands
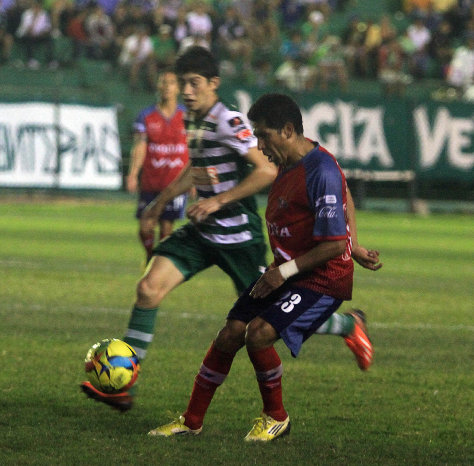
[[420, 36], [199, 21], [441, 49], [387, 30], [34, 33], [61, 11], [194, 40], [101, 34], [6, 39], [232, 39], [461, 69], [353, 39], [164, 47], [261, 74], [415, 7], [124, 23], [392, 68], [295, 46], [292, 13], [137, 54], [181, 27], [156, 19], [295, 75], [372, 42], [76, 31], [14, 12], [171, 10], [331, 63], [315, 28]]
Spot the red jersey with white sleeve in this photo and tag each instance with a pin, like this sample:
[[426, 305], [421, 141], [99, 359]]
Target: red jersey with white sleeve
[[167, 150], [306, 205]]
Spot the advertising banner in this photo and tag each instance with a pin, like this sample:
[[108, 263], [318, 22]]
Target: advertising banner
[[44, 145], [393, 139]]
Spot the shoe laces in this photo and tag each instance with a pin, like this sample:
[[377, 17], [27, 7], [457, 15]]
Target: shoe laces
[[260, 424]]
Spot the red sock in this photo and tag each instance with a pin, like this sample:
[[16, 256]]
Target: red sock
[[268, 369], [214, 369], [148, 242]]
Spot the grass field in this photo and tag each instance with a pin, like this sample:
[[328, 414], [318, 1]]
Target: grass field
[[68, 272]]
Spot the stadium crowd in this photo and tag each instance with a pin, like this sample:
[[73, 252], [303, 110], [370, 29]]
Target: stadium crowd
[[291, 43]]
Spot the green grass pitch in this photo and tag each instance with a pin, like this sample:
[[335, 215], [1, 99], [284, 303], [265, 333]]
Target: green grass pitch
[[67, 279]]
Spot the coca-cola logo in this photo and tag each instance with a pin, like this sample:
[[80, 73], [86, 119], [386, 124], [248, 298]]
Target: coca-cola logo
[[327, 212]]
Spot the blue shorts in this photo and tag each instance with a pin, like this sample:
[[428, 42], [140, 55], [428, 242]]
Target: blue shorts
[[174, 209], [294, 312]]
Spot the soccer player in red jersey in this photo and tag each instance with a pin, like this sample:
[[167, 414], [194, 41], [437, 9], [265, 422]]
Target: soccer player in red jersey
[[159, 155], [309, 218]]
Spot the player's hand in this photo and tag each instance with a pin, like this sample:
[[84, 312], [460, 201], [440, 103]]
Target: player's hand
[[132, 184], [201, 209], [268, 282], [367, 258]]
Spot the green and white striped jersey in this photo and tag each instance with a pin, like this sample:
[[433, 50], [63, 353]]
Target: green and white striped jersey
[[217, 145]]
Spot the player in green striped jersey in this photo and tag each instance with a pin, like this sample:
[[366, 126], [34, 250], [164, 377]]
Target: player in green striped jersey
[[227, 170]]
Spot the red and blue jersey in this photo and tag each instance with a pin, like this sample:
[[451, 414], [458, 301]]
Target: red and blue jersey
[[307, 205], [167, 150]]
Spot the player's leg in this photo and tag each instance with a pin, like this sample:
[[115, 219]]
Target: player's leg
[[292, 314], [274, 422], [166, 227], [175, 260], [214, 369], [243, 265], [211, 375], [352, 326], [160, 278], [147, 239]]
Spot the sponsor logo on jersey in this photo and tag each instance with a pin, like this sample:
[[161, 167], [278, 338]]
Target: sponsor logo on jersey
[[327, 199], [277, 230], [282, 204], [166, 162], [167, 148], [244, 134], [236, 121], [154, 126], [327, 212]]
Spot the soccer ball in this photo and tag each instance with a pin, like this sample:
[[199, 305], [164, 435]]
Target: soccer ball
[[112, 366]]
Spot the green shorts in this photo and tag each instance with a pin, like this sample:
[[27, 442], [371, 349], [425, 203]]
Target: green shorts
[[190, 254]]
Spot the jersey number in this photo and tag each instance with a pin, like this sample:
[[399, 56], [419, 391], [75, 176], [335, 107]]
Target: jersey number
[[288, 306]]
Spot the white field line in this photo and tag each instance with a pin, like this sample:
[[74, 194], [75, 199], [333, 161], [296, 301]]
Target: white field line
[[197, 316]]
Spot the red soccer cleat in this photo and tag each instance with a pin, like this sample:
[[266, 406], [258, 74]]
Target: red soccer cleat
[[121, 401], [359, 342]]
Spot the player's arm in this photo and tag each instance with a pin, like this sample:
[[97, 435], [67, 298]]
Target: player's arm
[[137, 157], [262, 175], [273, 278], [367, 258]]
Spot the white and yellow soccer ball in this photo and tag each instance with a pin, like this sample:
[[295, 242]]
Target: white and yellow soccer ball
[[112, 366]]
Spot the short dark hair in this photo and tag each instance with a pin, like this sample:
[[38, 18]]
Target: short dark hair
[[197, 60], [276, 110]]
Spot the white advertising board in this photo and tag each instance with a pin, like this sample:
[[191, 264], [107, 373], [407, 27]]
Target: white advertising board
[[45, 145]]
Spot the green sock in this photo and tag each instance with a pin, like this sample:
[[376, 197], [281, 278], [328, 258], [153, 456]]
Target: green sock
[[141, 328], [337, 324]]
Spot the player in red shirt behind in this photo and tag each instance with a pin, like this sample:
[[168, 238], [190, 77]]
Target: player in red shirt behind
[[159, 155], [310, 219]]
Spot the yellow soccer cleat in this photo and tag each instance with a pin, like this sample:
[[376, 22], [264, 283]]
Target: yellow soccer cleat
[[266, 429], [175, 427]]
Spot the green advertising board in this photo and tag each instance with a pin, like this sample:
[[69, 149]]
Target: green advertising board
[[395, 137]]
